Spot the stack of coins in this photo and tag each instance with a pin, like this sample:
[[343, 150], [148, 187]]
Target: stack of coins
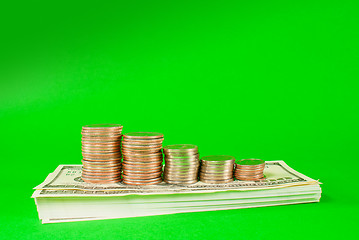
[[101, 151], [249, 169], [142, 158], [181, 164], [217, 169]]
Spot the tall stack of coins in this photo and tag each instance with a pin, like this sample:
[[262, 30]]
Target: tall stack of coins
[[217, 169], [181, 164], [142, 158], [101, 151], [249, 169]]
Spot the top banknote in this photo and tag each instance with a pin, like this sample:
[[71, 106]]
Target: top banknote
[[66, 180]]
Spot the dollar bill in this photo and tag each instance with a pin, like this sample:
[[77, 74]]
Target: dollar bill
[[199, 209], [66, 181]]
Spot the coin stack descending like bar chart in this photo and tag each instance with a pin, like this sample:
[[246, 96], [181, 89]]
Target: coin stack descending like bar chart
[[217, 169], [142, 158], [181, 164], [101, 151], [249, 169]]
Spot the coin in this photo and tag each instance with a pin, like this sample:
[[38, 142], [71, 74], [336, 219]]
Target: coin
[[139, 172], [144, 155], [181, 182], [142, 161], [249, 169], [94, 137], [117, 131], [105, 165], [128, 142], [215, 177], [101, 151], [227, 173], [181, 147], [143, 135], [102, 173], [143, 147], [102, 169], [143, 180], [130, 182], [185, 153], [217, 169], [144, 165], [181, 171], [98, 151], [103, 159], [181, 164], [218, 165], [142, 176], [106, 127], [141, 151], [139, 168], [261, 167], [179, 177], [101, 154], [248, 172], [181, 155], [251, 161], [182, 158]]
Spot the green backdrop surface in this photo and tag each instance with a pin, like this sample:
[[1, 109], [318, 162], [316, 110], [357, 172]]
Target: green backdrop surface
[[264, 79]]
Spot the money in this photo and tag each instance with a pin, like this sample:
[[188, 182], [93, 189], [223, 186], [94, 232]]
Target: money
[[68, 177], [249, 169], [101, 152], [181, 164], [217, 169], [142, 158], [65, 189]]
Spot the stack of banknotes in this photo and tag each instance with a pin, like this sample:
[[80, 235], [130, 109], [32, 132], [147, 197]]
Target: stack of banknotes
[[64, 197]]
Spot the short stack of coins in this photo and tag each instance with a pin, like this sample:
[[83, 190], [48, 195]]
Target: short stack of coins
[[101, 151], [249, 169], [142, 158], [217, 169], [181, 164]]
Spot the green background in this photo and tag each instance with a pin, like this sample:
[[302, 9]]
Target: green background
[[264, 79]]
